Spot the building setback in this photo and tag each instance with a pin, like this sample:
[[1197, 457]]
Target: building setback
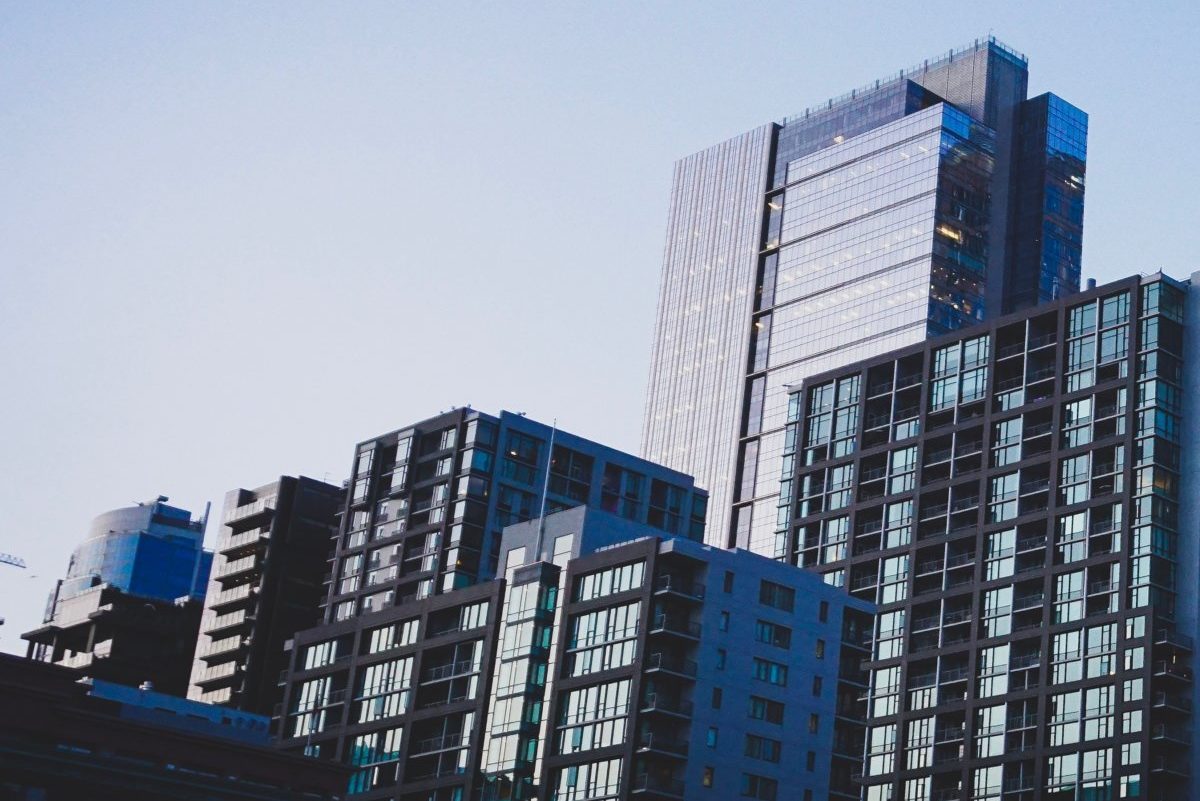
[[917, 205], [1018, 500], [608, 662], [267, 584]]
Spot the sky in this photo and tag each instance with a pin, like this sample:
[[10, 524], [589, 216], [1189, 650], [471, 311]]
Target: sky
[[236, 239]]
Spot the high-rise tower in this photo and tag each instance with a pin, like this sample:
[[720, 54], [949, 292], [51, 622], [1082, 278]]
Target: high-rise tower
[[912, 207]]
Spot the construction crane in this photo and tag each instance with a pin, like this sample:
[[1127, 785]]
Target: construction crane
[[9, 559]]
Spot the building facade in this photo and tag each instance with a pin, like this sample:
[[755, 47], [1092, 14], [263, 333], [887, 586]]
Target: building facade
[[420, 540], [267, 583], [427, 503], [608, 662], [151, 549], [915, 206], [129, 607], [1017, 499]]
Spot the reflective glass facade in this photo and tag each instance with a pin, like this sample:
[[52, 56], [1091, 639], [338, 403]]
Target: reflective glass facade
[[1012, 499], [880, 218], [152, 550]]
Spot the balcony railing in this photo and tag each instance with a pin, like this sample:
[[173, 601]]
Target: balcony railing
[[669, 663], [462, 668], [678, 586], [644, 783], [657, 702], [667, 625], [662, 743]]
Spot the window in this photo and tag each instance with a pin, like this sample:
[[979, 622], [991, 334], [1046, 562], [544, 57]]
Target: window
[[588, 781], [777, 596], [759, 787], [723, 625], [720, 659], [820, 649], [766, 709], [716, 698], [817, 681], [810, 761], [610, 581], [814, 723], [394, 635], [728, 581], [763, 748], [770, 672], [369, 752], [773, 634], [710, 739], [823, 612], [707, 781]]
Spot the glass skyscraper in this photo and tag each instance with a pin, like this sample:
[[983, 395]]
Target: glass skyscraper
[[909, 208]]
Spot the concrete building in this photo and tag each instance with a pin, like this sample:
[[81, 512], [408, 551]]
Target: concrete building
[[267, 583]]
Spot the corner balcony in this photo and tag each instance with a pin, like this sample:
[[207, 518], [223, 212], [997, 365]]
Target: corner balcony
[[646, 786], [665, 625]]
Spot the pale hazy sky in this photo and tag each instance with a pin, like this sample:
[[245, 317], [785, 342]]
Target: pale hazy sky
[[235, 239]]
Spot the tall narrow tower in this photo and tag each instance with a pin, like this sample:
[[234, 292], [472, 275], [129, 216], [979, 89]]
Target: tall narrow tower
[[911, 207]]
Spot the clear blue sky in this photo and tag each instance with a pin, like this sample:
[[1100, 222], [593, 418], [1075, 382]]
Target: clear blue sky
[[236, 239]]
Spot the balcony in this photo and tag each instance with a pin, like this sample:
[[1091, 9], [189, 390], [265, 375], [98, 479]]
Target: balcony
[[1173, 702], [446, 742], [239, 568], [217, 674], [1172, 734], [950, 734], [669, 664], [1028, 601], [670, 585], [662, 624], [663, 745], [1169, 637], [1174, 767], [251, 511], [450, 671], [229, 623], [246, 542], [1028, 721], [657, 702], [654, 787], [219, 650], [1172, 670], [233, 596]]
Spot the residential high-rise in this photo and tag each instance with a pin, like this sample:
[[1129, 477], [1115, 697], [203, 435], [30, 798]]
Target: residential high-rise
[[1019, 498], [908, 208], [609, 662], [427, 503], [420, 538], [267, 584], [129, 608]]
